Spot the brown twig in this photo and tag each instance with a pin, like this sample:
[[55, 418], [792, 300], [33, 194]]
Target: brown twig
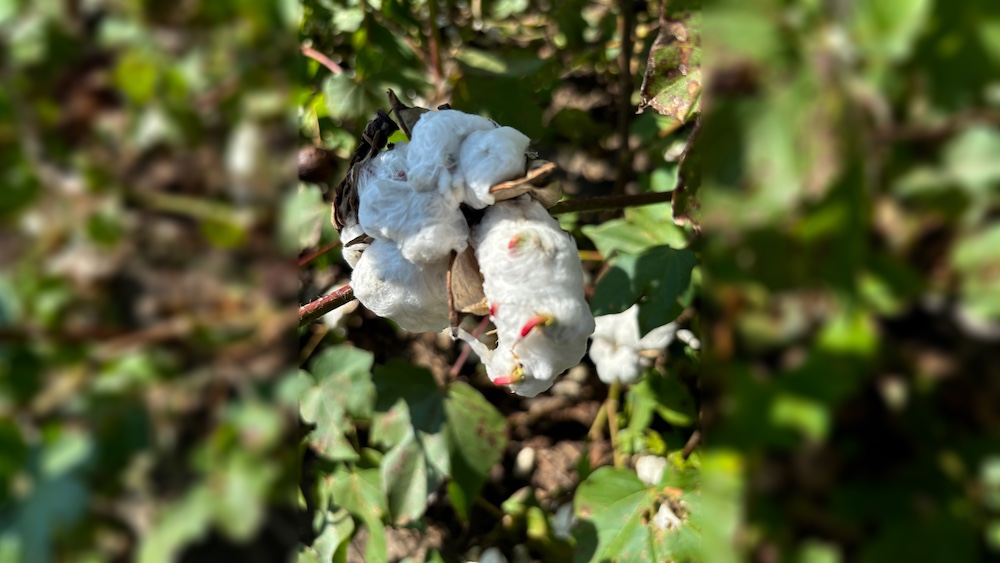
[[691, 444], [626, 22], [315, 309], [322, 59], [610, 202], [317, 253]]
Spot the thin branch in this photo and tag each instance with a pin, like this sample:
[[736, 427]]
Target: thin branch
[[317, 253], [316, 309], [322, 59], [610, 202], [691, 444]]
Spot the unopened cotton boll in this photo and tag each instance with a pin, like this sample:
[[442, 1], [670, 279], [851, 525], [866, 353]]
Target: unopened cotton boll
[[424, 225], [616, 347], [488, 158], [413, 295], [434, 149]]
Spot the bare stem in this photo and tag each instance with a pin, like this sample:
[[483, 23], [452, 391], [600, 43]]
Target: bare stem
[[614, 393], [610, 202], [322, 59], [316, 309], [317, 253]]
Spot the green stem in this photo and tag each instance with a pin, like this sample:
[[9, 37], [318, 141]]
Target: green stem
[[614, 393]]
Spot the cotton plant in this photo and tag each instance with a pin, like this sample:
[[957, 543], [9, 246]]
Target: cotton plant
[[455, 220], [618, 352]]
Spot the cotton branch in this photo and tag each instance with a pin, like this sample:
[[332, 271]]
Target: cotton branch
[[322, 59], [610, 202], [316, 309]]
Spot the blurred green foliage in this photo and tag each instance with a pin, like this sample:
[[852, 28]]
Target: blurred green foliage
[[851, 307], [144, 414]]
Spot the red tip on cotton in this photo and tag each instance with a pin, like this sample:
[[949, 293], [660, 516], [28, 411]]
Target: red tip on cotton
[[493, 309], [514, 241], [504, 380], [533, 322]]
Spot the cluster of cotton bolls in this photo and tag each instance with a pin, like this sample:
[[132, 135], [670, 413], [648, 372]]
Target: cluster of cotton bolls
[[410, 223], [618, 352]]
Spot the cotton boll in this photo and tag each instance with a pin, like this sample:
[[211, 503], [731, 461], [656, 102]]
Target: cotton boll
[[487, 158], [426, 227], [534, 282], [434, 147], [353, 252], [522, 251], [413, 295], [616, 345], [389, 164], [504, 368], [614, 362], [549, 336]]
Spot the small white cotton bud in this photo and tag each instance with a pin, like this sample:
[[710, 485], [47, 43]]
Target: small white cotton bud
[[413, 295], [665, 519], [488, 158], [650, 468]]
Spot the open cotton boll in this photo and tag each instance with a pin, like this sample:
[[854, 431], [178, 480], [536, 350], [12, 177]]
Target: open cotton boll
[[434, 147], [523, 253], [533, 281], [426, 227], [616, 347], [353, 252], [487, 158], [551, 336], [389, 164], [413, 295], [504, 368]]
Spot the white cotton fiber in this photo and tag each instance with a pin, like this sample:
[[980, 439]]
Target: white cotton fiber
[[488, 158], [352, 253], [434, 149], [616, 347], [533, 282], [425, 226], [413, 295]]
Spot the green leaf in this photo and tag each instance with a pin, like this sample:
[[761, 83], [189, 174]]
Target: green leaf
[[343, 388], [347, 371], [476, 441], [654, 279], [345, 98], [888, 28], [409, 419], [615, 510], [360, 494], [333, 530], [672, 83]]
